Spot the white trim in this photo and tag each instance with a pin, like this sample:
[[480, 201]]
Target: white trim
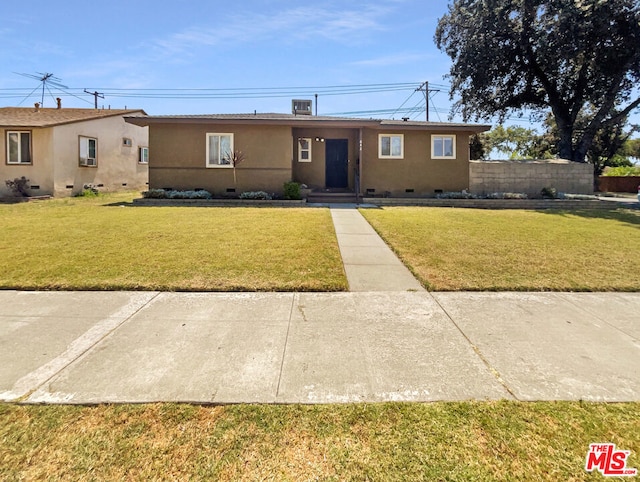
[[19, 161], [142, 149], [301, 150], [391, 155], [217, 165], [443, 136], [83, 149]]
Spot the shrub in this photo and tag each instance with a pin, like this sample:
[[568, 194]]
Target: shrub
[[155, 194], [507, 195], [19, 186], [292, 190], [88, 190], [622, 171], [581, 197], [256, 195], [456, 195], [162, 194], [549, 193]]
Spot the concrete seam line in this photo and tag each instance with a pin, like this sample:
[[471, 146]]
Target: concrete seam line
[[477, 351], [294, 303], [32, 381]]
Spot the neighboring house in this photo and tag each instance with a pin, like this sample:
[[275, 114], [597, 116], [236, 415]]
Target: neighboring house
[[61, 150], [365, 156]]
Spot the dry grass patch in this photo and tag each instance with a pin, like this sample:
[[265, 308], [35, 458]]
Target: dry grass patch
[[394, 441], [475, 249], [100, 243]]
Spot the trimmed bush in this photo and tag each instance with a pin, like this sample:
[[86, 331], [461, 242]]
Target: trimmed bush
[[292, 190]]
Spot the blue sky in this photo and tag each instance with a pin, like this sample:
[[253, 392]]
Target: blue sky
[[144, 44], [123, 48]]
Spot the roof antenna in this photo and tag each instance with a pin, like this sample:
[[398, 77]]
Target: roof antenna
[[45, 78]]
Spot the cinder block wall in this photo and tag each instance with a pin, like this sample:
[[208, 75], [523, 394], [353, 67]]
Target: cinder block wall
[[530, 177]]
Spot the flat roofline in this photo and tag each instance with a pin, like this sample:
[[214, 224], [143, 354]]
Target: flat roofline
[[306, 121]]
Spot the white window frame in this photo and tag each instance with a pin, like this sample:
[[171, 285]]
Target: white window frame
[[84, 143], [391, 155], [435, 137], [143, 159], [20, 160], [301, 150], [220, 161]]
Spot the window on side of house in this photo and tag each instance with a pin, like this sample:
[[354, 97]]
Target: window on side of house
[[143, 155], [443, 147], [304, 149], [88, 151], [219, 150], [391, 146], [18, 147]]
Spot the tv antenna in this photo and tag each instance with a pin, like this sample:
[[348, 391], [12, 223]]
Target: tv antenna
[[46, 79]]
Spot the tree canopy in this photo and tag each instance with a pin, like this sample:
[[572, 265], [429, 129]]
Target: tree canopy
[[576, 58]]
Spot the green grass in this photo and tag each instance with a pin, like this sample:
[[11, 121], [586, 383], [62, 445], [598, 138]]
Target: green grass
[[100, 243], [440, 441], [474, 249]]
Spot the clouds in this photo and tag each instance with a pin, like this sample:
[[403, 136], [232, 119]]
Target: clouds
[[343, 25]]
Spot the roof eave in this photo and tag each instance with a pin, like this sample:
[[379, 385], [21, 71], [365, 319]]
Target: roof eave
[[308, 122]]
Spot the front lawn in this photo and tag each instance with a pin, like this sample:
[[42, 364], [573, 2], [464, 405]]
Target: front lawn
[[103, 243], [393, 441], [475, 249]]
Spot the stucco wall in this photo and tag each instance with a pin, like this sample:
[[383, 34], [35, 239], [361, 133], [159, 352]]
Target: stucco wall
[[55, 153], [117, 165], [417, 171], [530, 177], [39, 172], [178, 158]]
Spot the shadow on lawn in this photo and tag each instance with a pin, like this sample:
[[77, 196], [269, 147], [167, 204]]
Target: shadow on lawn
[[622, 215], [118, 204]]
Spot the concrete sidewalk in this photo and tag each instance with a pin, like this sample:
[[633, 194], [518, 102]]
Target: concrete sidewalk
[[93, 347]]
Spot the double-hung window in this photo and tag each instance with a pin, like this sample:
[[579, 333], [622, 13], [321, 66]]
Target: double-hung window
[[18, 147], [219, 150], [443, 147], [88, 151], [391, 146], [304, 149]]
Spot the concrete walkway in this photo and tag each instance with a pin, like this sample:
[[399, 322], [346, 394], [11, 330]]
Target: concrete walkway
[[369, 263], [92, 347]]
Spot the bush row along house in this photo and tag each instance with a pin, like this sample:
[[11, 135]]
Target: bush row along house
[[61, 150], [369, 157]]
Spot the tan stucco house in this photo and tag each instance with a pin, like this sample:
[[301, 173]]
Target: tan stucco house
[[60, 150], [364, 156]]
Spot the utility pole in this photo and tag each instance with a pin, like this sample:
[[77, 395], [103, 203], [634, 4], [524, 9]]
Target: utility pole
[[95, 94], [424, 87]]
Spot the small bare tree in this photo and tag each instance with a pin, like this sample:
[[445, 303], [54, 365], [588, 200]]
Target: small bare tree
[[234, 158]]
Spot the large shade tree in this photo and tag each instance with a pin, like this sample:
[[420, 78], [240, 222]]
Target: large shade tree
[[564, 55]]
